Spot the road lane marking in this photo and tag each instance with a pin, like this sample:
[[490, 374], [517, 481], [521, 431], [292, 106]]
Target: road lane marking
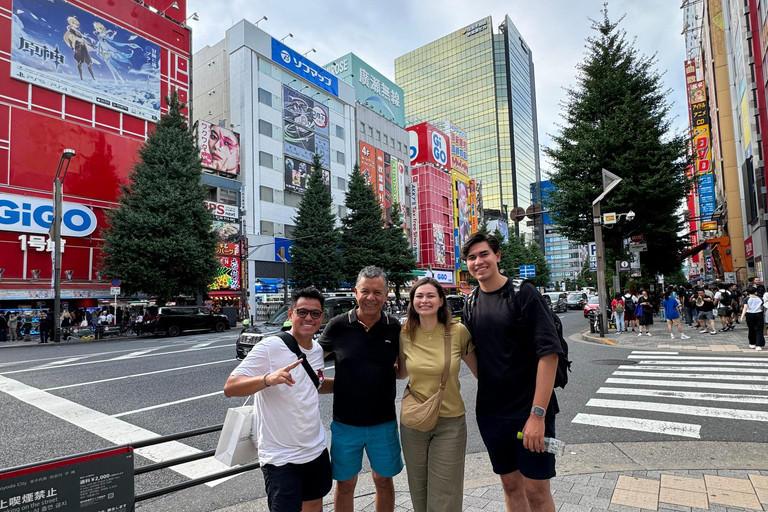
[[53, 364], [713, 363], [702, 358], [693, 376], [691, 410], [112, 379], [688, 384], [135, 354], [692, 368], [114, 359], [160, 406], [654, 353], [657, 427], [114, 430], [687, 395]]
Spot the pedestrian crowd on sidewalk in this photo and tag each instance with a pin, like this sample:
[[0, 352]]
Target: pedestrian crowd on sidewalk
[[21, 325], [699, 307], [508, 339]]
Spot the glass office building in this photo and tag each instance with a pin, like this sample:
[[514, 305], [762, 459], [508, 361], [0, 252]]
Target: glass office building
[[484, 82]]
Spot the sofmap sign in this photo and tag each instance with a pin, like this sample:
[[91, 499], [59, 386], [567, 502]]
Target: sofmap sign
[[24, 214], [303, 67]]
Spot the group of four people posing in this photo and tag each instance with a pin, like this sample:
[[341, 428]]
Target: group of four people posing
[[508, 341]]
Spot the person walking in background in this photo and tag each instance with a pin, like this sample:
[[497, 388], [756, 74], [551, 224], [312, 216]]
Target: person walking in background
[[753, 311], [26, 328], [765, 314], [630, 303], [618, 307], [646, 316], [671, 308], [13, 326], [723, 305], [44, 328], [705, 305], [688, 307], [434, 459], [3, 328]]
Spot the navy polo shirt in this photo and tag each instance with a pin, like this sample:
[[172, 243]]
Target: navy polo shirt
[[364, 383]]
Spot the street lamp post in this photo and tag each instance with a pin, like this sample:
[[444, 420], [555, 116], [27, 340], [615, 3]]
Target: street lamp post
[[58, 180], [610, 181]]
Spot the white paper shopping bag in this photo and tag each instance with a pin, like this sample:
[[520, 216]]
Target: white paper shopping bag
[[235, 444]]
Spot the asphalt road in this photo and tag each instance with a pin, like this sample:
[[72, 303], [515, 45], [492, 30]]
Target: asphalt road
[[62, 400]]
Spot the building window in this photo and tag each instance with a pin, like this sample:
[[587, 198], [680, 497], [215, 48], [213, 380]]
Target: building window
[[227, 196], [386, 139], [266, 160], [267, 228], [289, 230], [378, 135], [340, 131], [265, 67], [340, 157], [266, 194], [370, 131], [341, 183], [265, 128], [342, 211], [362, 128], [399, 146], [291, 199], [265, 97]]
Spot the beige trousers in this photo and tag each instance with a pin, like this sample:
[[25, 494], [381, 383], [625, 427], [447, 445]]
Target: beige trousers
[[435, 464]]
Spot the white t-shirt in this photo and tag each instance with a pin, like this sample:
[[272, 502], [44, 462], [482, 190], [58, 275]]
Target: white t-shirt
[[287, 418], [754, 305]]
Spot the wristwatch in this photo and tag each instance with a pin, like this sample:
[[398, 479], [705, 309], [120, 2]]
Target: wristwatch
[[538, 411]]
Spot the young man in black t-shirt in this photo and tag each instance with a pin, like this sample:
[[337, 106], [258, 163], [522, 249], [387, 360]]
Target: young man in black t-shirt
[[517, 349]]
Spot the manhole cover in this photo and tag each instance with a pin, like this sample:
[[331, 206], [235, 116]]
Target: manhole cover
[[612, 362]]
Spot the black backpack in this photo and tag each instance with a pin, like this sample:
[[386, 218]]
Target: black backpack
[[563, 363], [725, 299]]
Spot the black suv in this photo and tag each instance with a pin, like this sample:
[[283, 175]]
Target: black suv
[[250, 336], [173, 320]]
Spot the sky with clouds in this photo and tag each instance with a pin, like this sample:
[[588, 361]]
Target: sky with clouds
[[380, 31]]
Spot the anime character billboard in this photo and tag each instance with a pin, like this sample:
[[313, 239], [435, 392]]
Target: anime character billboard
[[69, 50]]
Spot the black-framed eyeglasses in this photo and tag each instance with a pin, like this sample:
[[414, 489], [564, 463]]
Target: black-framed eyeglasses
[[314, 313]]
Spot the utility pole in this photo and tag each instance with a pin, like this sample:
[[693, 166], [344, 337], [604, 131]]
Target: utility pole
[[610, 181], [58, 206]]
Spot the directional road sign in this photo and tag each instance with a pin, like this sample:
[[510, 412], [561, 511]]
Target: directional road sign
[[527, 271]]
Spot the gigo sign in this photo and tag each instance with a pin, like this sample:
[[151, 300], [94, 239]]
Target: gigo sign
[[439, 147], [24, 214]]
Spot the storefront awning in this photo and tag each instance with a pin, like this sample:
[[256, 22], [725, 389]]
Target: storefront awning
[[693, 250], [225, 293], [721, 250]]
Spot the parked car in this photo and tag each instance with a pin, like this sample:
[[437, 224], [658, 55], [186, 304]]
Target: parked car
[[456, 304], [576, 300], [558, 301], [250, 336], [592, 304], [173, 320]]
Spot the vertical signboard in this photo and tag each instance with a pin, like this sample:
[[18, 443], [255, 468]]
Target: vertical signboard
[[415, 219], [368, 163], [429, 145], [380, 190], [219, 148], [62, 47], [438, 238], [395, 182], [473, 205], [461, 213], [701, 146], [459, 157]]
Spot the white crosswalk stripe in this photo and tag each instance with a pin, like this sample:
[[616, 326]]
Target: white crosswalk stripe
[[655, 379]]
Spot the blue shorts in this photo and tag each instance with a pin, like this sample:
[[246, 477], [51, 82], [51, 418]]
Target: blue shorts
[[381, 443]]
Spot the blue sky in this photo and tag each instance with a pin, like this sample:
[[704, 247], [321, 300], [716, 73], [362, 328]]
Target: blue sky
[[378, 32]]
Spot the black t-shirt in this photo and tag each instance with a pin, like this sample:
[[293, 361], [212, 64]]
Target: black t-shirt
[[509, 342], [708, 305], [364, 383], [647, 304]]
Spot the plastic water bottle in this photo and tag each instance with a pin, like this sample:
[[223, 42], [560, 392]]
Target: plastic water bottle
[[551, 445]]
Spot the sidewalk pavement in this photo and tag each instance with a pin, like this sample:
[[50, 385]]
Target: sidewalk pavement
[[680, 476], [733, 341]]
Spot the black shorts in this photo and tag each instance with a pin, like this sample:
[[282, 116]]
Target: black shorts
[[290, 485], [507, 452]]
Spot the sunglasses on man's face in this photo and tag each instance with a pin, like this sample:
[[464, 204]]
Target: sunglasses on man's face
[[314, 313]]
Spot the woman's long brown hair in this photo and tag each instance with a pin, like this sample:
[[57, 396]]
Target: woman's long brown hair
[[443, 314]]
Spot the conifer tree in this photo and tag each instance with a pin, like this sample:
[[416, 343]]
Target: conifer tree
[[539, 261], [159, 240], [315, 250], [400, 261], [362, 239], [617, 118]]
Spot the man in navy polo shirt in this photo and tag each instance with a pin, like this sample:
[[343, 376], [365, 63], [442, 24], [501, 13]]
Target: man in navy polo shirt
[[365, 341]]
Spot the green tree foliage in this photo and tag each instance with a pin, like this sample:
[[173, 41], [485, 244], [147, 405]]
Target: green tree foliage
[[539, 261], [315, 250], [400, 261], [617, 118], [159, 240], [362, 238]]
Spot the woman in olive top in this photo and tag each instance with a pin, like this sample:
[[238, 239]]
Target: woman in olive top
[[435, 459]]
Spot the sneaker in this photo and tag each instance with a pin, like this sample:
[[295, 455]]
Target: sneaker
[[672, 336], [684, 337], [753, 346], [723, 329], [713, 331], [705, 331], [758, 348], [640, 334], [647, 334]]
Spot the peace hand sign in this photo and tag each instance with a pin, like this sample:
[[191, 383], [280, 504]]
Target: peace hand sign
[[283, 375]]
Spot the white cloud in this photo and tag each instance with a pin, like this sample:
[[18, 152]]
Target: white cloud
[[378, 32]]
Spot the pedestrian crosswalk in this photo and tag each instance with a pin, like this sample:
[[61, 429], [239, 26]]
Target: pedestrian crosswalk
[[672, 394]]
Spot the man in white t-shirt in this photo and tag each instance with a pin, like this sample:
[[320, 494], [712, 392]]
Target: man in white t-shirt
[[292, 442]]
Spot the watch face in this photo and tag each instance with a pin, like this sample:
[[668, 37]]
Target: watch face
[[538, 411]]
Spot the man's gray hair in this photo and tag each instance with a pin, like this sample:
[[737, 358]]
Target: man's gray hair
[[371, 272]]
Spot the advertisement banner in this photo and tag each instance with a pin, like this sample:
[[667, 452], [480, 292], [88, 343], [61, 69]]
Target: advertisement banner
[[223, 211], [228, 273], [61, 47], [473, 206], [304, 111], [304, 68], [380, 190], [27, 214], [429, 145], [387, 204], [438, 238], [219, 147], [701, 146], [227, 231], [401, 183], [461, 209], [459, 158], [415, 219], [297, 175], [394, 178], [368, 163]]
